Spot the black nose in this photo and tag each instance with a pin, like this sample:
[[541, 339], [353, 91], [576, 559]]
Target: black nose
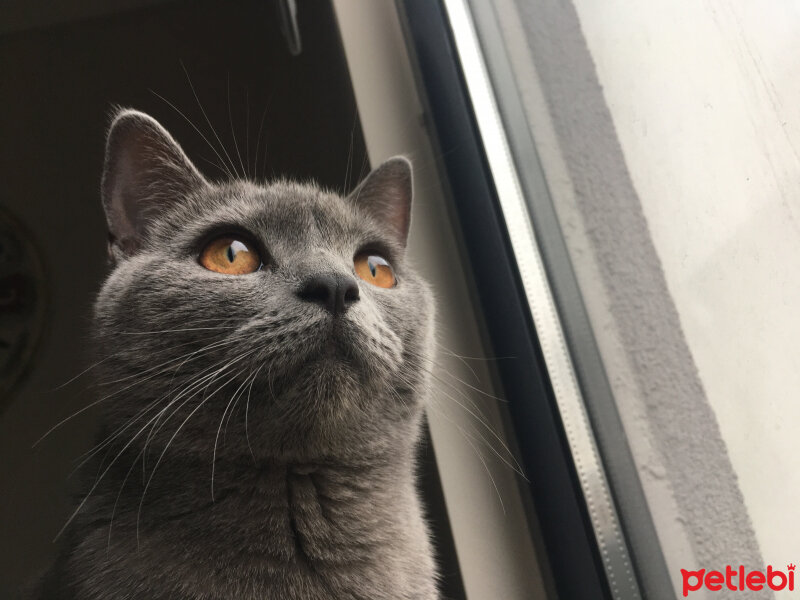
[[334, 292]]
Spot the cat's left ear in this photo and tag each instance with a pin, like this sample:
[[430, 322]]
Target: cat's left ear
[[145, 172], [386, 195]]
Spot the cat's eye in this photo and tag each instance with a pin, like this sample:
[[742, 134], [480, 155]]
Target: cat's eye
[[230, 255], [374, 269]]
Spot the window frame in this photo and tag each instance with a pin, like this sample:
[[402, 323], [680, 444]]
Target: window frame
[[597, 528]]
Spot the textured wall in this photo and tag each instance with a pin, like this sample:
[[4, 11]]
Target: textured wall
[[690, 483]]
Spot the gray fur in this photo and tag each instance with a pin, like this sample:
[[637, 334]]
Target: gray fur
[[313, 462]]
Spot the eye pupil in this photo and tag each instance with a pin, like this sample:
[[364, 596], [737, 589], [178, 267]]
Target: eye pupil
[[231, 253], [372, 266]]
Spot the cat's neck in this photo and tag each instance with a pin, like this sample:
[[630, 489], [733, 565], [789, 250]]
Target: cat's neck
[[295, 507], [311, 525]]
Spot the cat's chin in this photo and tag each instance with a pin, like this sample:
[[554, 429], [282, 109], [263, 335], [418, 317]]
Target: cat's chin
[[336, 343], [334, 358]]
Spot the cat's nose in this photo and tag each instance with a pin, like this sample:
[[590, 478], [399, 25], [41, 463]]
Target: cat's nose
[[334, 292]]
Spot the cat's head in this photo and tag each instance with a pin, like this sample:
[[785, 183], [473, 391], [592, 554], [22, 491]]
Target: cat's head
[[285, 314]]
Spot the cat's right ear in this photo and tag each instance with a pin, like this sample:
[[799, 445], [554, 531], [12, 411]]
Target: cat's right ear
[[145, 171]]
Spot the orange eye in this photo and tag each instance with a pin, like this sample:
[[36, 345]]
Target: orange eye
[[230, 256], [374, 269]]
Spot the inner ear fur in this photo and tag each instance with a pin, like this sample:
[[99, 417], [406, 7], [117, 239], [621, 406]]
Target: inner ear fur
[[145, 171], [386, 194]]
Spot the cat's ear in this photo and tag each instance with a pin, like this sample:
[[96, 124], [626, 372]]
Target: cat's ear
[[386, 194], [145, 171]]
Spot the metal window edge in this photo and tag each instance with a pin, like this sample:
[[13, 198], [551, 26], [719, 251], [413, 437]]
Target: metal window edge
[[569, 399], [626, 486]]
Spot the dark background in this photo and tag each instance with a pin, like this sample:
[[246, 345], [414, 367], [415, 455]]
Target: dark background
[[62, 74]]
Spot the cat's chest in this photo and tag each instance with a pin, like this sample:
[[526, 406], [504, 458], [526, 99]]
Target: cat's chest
[[289, 518], [287, 536]]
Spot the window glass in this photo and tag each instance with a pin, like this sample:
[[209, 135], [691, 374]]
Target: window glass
[[668, 134]]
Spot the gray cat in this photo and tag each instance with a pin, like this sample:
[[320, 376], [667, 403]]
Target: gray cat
[[265, 356]]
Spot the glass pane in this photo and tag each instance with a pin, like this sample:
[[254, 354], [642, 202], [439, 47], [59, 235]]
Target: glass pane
[[668, 136]]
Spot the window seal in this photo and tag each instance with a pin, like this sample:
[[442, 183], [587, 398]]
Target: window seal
[[585, 548]]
